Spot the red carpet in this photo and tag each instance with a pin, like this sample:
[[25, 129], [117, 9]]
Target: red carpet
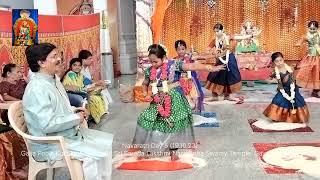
[[262, 148], [155, 165]]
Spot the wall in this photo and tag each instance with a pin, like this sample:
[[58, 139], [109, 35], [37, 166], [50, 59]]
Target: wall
[[65, 6], [114, 34], [281, 29], [17, 4], [48, 7]]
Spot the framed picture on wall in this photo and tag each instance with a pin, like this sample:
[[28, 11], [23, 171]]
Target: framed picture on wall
[[24, 27]]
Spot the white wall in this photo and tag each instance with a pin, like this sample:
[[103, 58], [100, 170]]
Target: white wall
[[17, 4], [46, 7], [99, 5]]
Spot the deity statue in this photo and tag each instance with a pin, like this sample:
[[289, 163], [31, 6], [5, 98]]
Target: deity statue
[[248, 45], [25, 30], [85, 7]]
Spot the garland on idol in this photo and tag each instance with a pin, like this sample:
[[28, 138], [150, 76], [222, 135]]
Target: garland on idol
[[292, 87]]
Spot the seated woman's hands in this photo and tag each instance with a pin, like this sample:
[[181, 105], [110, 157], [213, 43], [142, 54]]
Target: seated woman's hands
[[71, 88], [102, 83], [91, 87]]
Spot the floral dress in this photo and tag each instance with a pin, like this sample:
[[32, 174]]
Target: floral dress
[[153, 135], [192, 89]]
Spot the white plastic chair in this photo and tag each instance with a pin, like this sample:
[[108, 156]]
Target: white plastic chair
[[17, 121]]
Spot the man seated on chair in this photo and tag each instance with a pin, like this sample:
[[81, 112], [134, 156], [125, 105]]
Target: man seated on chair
[[75, 100], [48, 112]]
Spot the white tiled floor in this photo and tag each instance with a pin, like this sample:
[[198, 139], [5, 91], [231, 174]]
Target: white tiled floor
[[233, 135]]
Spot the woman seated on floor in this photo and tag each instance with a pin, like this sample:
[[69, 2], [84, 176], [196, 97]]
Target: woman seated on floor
[[85, 87]]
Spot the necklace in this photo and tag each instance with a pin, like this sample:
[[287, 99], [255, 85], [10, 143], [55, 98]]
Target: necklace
[[292, 87], [163, 100]]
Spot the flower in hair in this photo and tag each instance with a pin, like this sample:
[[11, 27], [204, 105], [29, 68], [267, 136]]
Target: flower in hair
[[164, 47]]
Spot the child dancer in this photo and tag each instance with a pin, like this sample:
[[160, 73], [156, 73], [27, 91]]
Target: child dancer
[[288, 105], [229, 80], [166, 125], [308, 75], [189, 80]]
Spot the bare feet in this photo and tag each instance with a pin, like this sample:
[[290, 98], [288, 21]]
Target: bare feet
[[142, 157], [173, 155], [211, 99], [130, 150], [315, 94], [146, 155], [174, 158]]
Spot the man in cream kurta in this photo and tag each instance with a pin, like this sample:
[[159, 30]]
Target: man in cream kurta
[[48, 113]]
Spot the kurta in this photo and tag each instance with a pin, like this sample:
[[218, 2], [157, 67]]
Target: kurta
[[48, 112]]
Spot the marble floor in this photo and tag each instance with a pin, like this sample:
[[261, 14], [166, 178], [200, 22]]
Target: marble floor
[[228, 149]]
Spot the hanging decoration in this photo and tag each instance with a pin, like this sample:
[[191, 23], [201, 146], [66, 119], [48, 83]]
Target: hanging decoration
[[212, 3], [295, 12], [288, 16], [264, 4]]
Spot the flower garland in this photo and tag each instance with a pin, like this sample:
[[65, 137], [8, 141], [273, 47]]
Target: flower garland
[[226, 62], [163, 100], [222, 40], [221, 43], [187, 59], [186, 85], [227, 58], [186, 82], [292, 87]]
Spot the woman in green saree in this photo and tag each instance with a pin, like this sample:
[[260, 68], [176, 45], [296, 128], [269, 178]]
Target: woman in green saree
[[85, 87]]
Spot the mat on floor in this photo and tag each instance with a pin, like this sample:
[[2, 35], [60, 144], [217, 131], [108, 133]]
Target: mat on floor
[[155, 165], [205, 119], [289, 158], [236, 100], [263, 125], [131, 161]]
